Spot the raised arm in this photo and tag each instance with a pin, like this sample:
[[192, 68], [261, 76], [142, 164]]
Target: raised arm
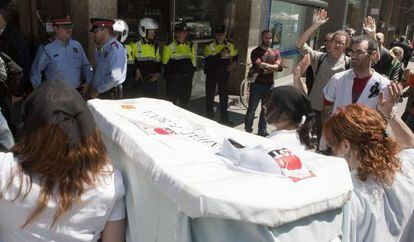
[[321, 18], [299, 71], [370, 26], [386, 107]]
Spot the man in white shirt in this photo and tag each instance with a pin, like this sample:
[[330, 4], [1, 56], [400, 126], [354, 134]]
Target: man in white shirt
[[361, 84]]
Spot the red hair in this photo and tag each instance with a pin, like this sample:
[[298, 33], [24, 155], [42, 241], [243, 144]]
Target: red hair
[[365, 129]]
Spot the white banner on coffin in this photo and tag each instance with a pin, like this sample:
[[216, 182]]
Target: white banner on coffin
[[171, 130]]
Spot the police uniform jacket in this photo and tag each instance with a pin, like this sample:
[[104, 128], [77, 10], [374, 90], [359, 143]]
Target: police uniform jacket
[[215, 62], [179, 57], [111, 66], [60, 61], [147, 57], [131, 52]]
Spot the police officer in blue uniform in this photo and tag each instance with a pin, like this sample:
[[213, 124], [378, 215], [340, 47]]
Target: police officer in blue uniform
[[111, 62], [62, 59]]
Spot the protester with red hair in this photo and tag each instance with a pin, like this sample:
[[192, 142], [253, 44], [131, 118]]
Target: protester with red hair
[[382, 168]]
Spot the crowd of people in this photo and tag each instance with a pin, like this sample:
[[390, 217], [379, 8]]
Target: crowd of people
[[346, 108]]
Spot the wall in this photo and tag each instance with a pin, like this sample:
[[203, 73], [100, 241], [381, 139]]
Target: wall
[[247, 29]]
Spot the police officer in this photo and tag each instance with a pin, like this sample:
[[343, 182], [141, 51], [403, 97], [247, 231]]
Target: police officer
[[111, 62], [148, 59], [62, 59], [220, 58], [179, 60], [121, 30]]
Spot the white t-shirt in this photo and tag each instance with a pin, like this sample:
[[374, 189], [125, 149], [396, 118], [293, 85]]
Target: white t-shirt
[[103, 203], [339, 89], [380, 213], [287, 138]]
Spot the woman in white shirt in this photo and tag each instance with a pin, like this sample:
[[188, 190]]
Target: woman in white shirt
[[58, 184], [382, 168], [289, 110]]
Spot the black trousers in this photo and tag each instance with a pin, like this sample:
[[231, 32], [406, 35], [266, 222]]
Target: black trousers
[[147, 89], [113, 93], [179, 86], [220, 79]]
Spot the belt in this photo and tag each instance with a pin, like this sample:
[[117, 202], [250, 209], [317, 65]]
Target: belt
[[113, 93]]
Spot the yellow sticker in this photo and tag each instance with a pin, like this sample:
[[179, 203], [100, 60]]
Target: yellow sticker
[[127, 106]]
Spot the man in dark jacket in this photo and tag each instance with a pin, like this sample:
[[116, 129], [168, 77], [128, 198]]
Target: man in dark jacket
[[11, 76], [13, 44]]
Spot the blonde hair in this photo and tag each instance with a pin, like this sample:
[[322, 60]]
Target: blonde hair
[[394, 51]]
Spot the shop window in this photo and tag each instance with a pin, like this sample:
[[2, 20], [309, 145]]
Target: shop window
[[287, 22], [353, 14]]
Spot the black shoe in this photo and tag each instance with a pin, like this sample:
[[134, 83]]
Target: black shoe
[[263, 134]]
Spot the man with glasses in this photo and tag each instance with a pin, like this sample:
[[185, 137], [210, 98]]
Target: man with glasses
[[324, 65], [62, 59], [361, 84]]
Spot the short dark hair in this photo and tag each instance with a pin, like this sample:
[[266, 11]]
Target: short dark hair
[[265, 32], [372, 43]]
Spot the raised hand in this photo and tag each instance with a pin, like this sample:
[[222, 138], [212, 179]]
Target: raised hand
[[385, 105], [370, 26], [321, 17]]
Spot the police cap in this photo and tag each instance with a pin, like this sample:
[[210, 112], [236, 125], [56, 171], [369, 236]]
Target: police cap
[[63, 21], [101, 23]]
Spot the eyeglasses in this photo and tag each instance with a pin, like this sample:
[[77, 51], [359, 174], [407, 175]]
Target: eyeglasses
[[334, 42], [359, 52]]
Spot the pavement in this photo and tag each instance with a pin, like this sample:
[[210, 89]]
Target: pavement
[[237, 111]]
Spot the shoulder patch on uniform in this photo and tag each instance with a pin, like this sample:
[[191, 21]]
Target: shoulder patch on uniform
[[114, 44], [75, 50]]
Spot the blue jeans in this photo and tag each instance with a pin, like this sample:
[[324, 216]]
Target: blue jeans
[[257, 93], [6, 137]]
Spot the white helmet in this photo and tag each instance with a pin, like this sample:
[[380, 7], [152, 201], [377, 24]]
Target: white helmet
[[146, 24], [121, 28]]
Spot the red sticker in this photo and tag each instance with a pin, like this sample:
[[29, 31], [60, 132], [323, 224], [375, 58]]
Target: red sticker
[[162, 131]]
